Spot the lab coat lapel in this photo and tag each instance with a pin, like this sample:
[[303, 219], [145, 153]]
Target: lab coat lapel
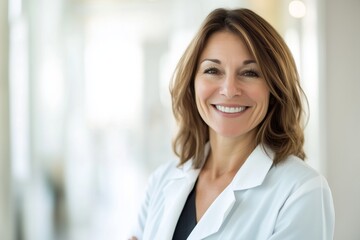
[[254, 170], [250, 175], [175, 195], [214, 217]]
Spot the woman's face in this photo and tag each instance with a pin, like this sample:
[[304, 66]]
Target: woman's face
[[232, 97]]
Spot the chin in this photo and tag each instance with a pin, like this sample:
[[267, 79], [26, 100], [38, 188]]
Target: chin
[[229, 133], [232, 133]]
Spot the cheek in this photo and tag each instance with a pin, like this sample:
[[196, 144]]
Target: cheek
[[261, 94], [205, 87], [201, 91], [265, 102], [265, 98]]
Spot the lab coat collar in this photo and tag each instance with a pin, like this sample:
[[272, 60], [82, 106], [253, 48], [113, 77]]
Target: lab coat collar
[[254, 170], [180, 183], [250, 175], [182, 180]]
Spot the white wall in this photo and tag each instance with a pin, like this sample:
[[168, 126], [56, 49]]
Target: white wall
[[5, 196], [342, 86]]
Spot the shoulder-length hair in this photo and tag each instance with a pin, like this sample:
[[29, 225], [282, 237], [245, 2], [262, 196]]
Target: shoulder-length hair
[[282, 128]]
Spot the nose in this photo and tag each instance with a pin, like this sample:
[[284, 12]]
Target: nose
[[230, 87]]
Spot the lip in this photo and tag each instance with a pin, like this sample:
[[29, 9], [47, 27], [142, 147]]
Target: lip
[[230, 109]]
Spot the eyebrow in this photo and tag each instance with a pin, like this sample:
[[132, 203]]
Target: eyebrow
[[246, 62]]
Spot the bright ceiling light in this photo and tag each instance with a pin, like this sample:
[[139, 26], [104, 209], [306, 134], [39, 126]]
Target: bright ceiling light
[[297, 9]]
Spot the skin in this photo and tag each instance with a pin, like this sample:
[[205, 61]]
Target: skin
[[228, 76]]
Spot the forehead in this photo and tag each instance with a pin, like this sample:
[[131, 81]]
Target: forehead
[[225, 44]]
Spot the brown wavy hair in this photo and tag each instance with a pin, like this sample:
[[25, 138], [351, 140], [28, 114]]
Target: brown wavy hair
[[282, 128]]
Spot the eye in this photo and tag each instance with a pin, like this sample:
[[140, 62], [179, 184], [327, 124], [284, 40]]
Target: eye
[[251, 73], [211, 70]]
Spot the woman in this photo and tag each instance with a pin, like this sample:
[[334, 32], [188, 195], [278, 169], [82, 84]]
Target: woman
[[241, 175]]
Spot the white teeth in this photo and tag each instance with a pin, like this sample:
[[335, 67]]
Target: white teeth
[[229, 109]]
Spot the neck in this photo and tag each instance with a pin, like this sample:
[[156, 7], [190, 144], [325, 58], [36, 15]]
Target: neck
[[228, 154]]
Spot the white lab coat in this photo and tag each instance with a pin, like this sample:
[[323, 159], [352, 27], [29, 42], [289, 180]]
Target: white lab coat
[[289, 201]]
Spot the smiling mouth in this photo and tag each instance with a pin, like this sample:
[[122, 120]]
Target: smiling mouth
[[225, 109]]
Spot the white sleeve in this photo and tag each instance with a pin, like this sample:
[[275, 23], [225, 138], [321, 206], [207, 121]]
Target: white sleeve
[[307, 214], [139, 226]]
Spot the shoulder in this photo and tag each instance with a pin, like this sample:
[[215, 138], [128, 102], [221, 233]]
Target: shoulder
[[295, 168], [300, 186], [305, 202], [295, 173], [296, 165], [164, 170], [164, 173]]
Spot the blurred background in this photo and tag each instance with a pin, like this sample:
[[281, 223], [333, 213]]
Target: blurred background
[[85, 111]]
